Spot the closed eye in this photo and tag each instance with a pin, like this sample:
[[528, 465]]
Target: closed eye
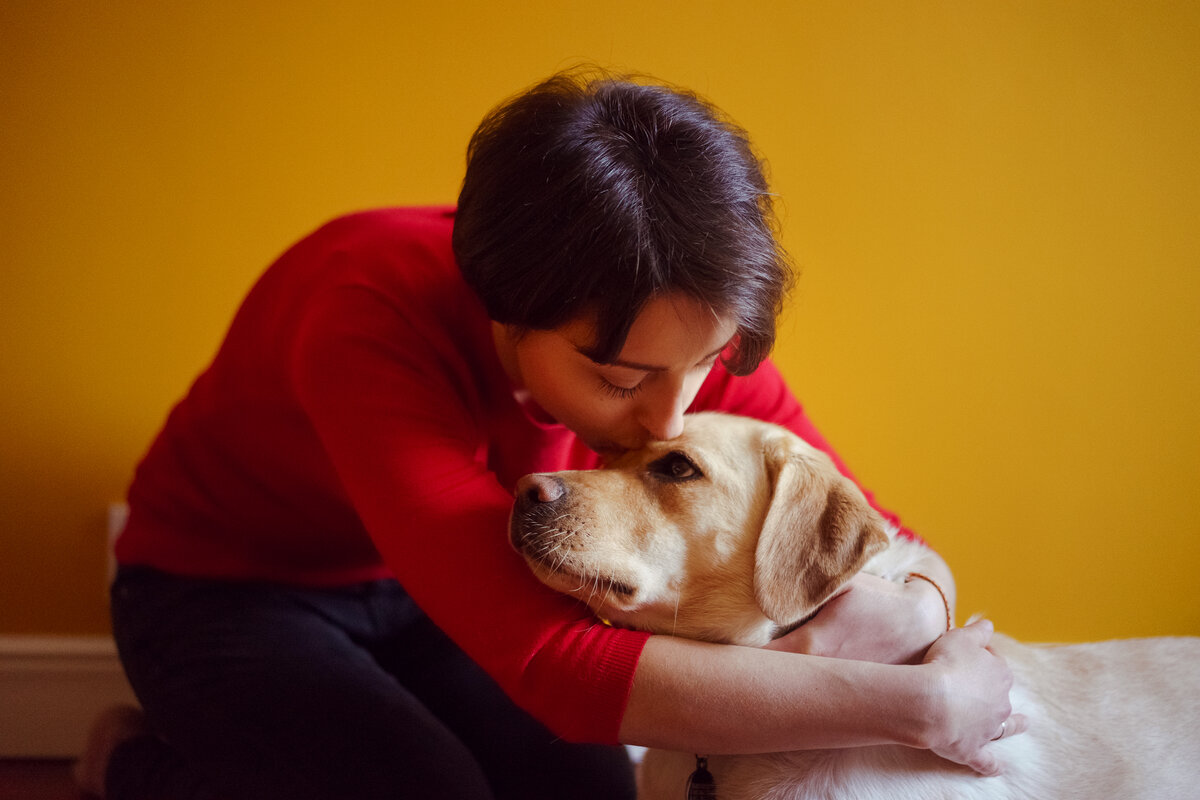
[[618, 392], [675, 467]]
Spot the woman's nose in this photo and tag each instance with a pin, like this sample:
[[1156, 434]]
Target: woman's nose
[[662, 414]]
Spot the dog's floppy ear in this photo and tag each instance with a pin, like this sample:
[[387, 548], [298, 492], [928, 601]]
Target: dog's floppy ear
[[818, 532]]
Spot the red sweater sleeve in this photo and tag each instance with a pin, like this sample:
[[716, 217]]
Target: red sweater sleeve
[[404, 440]]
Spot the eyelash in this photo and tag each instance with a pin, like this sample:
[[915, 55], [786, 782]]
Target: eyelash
[[623, 393], [618, 392]]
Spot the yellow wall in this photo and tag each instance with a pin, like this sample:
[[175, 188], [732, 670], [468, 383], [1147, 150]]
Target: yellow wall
[[995, 205]]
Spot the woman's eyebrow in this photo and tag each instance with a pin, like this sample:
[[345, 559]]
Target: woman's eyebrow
[[651, 367]]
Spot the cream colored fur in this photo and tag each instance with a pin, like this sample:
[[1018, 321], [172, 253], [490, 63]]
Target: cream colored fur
[[753, 542]]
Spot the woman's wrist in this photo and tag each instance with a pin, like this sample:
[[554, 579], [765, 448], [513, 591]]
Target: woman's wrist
[[933, 706], [935, 601]]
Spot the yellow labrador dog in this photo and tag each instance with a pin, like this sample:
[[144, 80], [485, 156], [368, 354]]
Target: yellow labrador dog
[[738, 530]]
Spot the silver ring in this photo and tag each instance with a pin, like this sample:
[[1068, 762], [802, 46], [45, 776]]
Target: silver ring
[[1003, 728]]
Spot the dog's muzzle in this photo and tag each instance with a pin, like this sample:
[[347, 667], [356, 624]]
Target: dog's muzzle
[[540, 500], [547, 528]]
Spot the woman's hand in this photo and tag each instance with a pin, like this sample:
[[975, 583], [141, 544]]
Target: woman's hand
[[873, 619], [971, 690]]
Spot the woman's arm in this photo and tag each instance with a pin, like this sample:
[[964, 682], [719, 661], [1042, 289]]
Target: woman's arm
[[880, 620], [709, 698]]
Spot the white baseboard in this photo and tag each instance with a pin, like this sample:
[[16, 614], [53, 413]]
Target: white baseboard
[[51, 688]]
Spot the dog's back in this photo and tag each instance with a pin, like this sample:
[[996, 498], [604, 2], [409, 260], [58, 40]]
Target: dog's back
[[1107, 719]]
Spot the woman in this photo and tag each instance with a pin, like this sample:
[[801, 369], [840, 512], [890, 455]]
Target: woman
[[320, 525]]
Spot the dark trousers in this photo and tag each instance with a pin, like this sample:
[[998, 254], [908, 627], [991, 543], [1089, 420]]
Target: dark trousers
[[263, 691]]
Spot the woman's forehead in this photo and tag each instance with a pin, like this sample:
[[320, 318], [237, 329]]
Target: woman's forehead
[[670, 330]]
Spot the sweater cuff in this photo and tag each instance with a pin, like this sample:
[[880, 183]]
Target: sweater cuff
[[589, 705]]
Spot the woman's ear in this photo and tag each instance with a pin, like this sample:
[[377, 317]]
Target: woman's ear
[[818, 532]]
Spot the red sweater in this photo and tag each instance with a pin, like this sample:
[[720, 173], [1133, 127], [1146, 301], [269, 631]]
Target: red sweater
[[357, 424]]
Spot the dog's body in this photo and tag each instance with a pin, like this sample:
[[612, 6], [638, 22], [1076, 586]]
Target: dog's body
[[738, 531], [1107, 719]]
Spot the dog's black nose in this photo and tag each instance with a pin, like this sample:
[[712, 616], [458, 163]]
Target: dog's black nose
[[539, 489]]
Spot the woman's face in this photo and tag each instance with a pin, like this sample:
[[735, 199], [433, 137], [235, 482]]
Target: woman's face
[[638, 397]]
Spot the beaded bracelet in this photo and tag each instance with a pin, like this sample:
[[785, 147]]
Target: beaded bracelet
[[933, 583]]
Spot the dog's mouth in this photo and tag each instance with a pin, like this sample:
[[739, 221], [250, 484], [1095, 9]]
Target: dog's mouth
[[587, 585], [543, 536]]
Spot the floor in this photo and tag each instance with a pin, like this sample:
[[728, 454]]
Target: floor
[[37, 779]]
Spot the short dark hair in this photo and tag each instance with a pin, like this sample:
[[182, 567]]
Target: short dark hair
[[591, 195]]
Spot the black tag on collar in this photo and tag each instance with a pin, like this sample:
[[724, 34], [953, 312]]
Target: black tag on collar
[[700, 785]]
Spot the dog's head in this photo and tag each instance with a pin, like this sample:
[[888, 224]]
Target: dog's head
[[731, 532]]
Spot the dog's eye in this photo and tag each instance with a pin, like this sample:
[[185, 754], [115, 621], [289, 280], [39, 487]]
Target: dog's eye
[[675, 466]]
